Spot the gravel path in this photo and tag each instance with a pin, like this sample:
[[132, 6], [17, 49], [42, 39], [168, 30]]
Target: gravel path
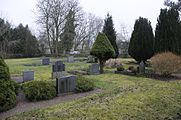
[[25, 106]]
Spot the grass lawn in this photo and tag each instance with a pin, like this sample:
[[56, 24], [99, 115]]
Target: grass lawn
[[122, 97]]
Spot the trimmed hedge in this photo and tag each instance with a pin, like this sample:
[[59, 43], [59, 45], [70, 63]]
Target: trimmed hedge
[[39, 90], [84, 84], [7, 95]]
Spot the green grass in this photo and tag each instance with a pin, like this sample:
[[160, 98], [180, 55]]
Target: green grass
[[122, 98], [41, 72]]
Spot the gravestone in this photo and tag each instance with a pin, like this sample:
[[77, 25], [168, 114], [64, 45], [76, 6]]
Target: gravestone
[[90, 59], [57, 69], [65, 84], [94, 69], [58, 66], [28, 76], [142, 67], [70, 59], [45, 61]]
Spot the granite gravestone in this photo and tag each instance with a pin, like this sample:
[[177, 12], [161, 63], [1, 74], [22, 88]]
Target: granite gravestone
[[45, 61], [90, 59], [58, 66], [142, 67], [28, 76], [65, 84], [57, 69], [70, 59], [94, 69]]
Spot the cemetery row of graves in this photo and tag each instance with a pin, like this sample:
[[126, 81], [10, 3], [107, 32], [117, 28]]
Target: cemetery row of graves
[[125, 89]]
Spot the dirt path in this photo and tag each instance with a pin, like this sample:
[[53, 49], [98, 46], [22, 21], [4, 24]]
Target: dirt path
[[25, 106]]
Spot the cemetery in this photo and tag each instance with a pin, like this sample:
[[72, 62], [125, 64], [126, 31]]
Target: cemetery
[[78, 67]]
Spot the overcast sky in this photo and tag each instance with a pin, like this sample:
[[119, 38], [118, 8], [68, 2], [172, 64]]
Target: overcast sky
[[123, 11]]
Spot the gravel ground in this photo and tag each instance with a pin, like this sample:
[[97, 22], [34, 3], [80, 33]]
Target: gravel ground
[[24, 106]]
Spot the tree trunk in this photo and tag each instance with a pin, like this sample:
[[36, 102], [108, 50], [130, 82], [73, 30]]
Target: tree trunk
[[101, 66]]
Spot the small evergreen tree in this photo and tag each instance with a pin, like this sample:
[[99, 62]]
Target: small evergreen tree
[[102, 49], [7, 88], [142, 40], [167, 33], [4, 70], [69, 32], [110, 32]]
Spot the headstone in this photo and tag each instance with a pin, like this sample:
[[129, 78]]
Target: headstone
[[90, 59], [70, 59], [28, 76], [57, 69], [142, 67], [58, 66], [94, 69], [45, 61], [65, 84]]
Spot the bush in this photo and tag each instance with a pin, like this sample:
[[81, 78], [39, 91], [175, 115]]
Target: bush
[[39, 90], [102, 49], [7, 95], [120, 68], [166, 63], [16, 86], [4, 70], [113, 63], [132, 69], [84, 84]]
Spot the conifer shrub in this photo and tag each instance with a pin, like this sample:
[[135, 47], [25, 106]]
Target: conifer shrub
[[7, 95], [4, 70], [8, 88], [102, 49]]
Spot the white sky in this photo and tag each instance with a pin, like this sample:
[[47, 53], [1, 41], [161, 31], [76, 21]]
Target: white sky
[[123, 11]]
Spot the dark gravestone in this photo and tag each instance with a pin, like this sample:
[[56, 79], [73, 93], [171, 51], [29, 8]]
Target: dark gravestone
[[28, 76], [57, 69], [70, 59], [65, 84], [58, 66], [45, 61], [94, 69], [142, 67]]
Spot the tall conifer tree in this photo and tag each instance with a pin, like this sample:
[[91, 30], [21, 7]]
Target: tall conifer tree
[[168, 32], [110, 32], [142, 40]]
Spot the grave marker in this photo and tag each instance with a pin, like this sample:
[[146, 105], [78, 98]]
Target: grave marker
[[65, 84], [45, 61], [94, 69], [70, 59], [28, 76]]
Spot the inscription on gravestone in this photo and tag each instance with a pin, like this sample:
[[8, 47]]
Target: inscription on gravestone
[[28, 76], [65, 84], [94, 69]]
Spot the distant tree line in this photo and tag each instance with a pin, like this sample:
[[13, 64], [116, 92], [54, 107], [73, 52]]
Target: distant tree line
[[18, 41]]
